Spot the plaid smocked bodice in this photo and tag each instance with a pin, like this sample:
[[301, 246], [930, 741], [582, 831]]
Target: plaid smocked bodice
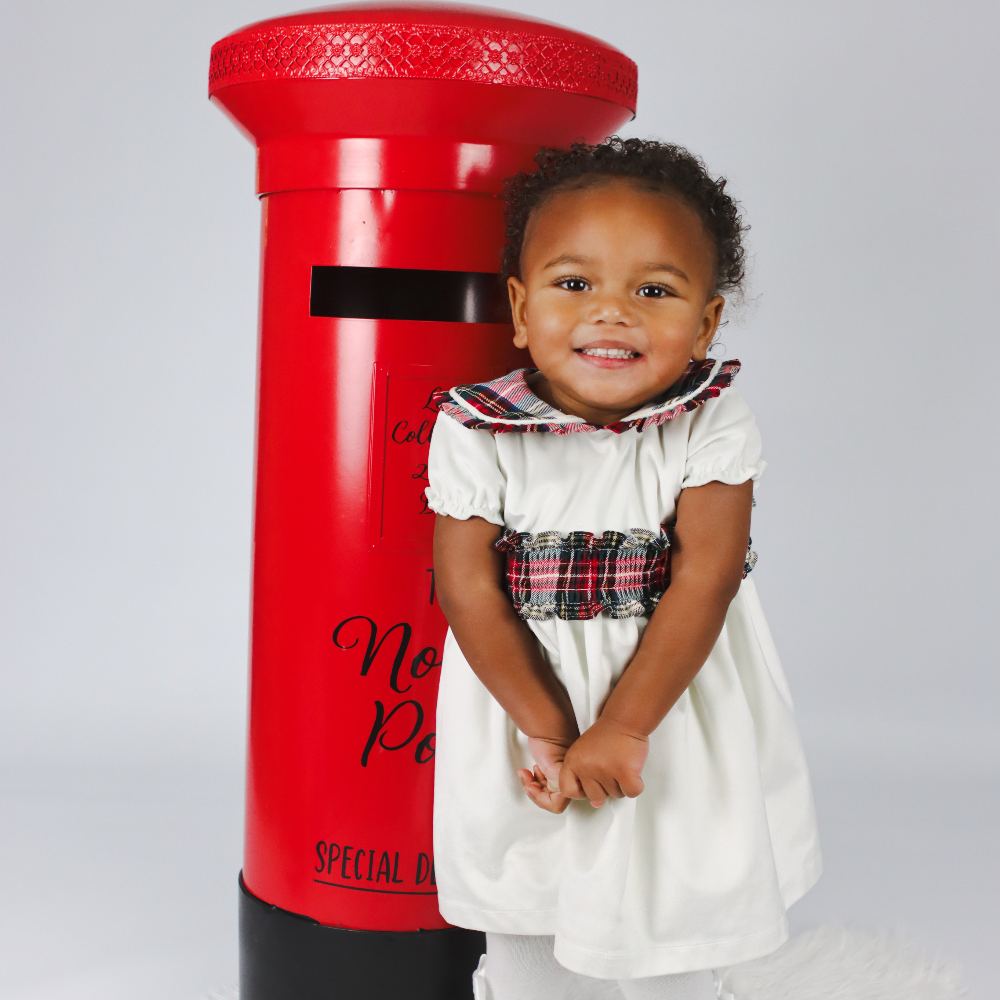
[[578, 576]]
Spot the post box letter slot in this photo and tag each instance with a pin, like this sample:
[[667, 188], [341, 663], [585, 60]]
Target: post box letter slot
[[408, 294]]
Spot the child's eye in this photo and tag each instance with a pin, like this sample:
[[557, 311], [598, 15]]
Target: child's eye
[[573, 284], [653, 292]]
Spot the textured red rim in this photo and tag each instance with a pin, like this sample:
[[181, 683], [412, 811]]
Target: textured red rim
[[387, 51]]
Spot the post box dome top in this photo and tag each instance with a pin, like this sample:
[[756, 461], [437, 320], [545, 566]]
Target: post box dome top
[[424, 41]]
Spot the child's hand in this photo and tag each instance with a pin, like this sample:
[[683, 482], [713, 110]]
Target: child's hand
[[542, 785], [605, 762]]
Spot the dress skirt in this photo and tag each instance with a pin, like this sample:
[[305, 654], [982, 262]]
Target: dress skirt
[[696, 872]]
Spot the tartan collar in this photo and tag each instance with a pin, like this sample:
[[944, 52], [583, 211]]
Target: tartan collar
[[508, 404]]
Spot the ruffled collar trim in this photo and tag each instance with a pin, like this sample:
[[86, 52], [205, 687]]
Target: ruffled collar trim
[[508, 403]]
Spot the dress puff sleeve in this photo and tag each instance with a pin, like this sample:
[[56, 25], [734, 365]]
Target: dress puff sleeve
[[464, 473], [723, 444]]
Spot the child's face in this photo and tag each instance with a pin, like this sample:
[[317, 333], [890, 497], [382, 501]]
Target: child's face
[[613, 268]]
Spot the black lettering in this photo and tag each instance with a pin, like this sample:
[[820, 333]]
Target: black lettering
[[407, 435], [344, 859], [333, 857], [422, 435], [371, 859], [382, 721], [433, 879], [321, 853], [383, 866], [418, 721], [425, 749], [431, 571], [373, 735], [359, 854], [372, 651], [425, 509], [395, 869], [420, 474], [430, 404], [428, 657], [423, 867]]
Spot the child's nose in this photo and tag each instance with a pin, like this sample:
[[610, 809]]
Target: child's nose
[[611, 308]]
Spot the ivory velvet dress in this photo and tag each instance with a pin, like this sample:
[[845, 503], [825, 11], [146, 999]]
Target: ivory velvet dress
[[696, 872]]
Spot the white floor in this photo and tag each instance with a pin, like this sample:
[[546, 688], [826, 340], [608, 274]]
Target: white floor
[[118, 887]]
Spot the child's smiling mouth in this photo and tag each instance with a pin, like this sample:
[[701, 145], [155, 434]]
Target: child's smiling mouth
[[607, 354]]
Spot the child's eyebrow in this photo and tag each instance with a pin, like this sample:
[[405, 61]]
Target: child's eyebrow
[[566, 258], [669, 268]]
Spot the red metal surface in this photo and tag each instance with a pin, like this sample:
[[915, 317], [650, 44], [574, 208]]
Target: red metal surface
[[424, 41], [398, 168]]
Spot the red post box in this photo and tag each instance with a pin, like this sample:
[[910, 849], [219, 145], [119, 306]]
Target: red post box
[[383, 134]]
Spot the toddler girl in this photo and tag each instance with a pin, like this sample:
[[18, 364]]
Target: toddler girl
[[621, 800]]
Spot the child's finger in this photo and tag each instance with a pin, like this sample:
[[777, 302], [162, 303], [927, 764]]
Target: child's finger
[[534, 782], [543, 780], [611, 790], [569, 784], [631, 785], [551, 802], [594, 791]]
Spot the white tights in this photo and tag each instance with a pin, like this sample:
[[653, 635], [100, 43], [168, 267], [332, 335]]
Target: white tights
[[523, 967]]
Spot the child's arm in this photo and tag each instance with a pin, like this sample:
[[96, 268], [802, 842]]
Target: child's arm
[[706, 566], [469, 581]]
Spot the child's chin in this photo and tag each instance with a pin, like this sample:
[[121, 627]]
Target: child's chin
[[614, 404], [615, 393]]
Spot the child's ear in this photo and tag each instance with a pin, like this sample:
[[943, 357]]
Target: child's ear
[[518, 311], [709, 326]]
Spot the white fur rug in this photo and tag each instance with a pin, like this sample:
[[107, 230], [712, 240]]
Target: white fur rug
[[831, 963], [834, 963]]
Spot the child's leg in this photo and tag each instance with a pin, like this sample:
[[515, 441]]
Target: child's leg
[[523, 967], [684, 986]]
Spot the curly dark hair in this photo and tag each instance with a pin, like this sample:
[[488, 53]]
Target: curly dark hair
[[659, 166]]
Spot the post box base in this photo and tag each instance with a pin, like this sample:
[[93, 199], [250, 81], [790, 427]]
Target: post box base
[[285, 956]]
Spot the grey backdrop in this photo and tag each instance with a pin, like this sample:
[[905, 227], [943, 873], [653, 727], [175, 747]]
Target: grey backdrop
[[862, 139]]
